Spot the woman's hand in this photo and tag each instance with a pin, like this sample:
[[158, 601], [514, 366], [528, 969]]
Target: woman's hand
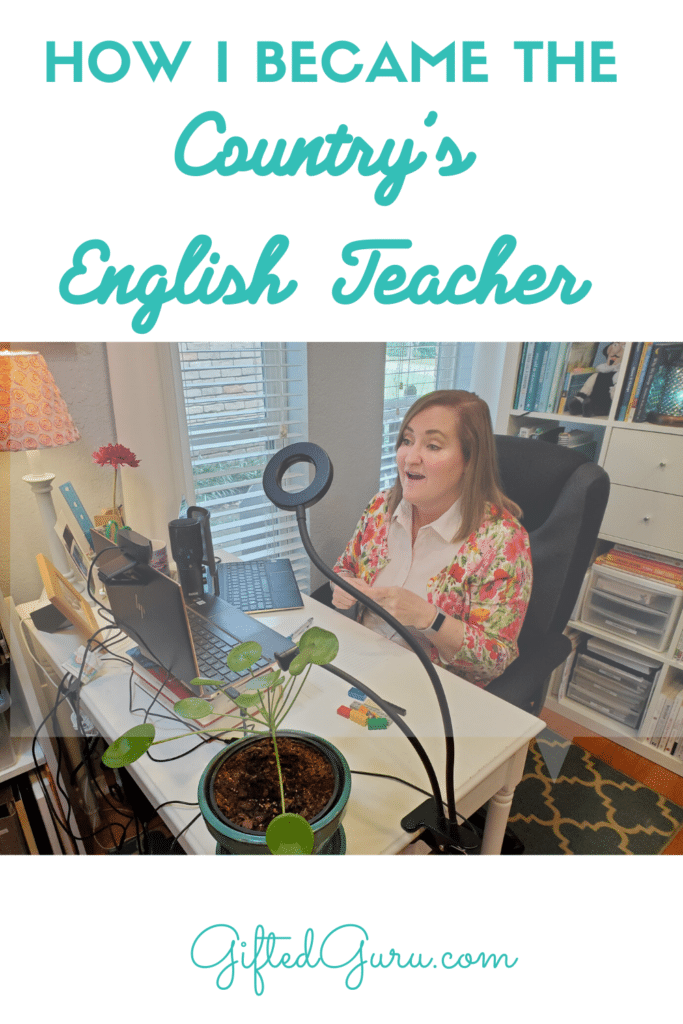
[[408, 608], [340, 599]]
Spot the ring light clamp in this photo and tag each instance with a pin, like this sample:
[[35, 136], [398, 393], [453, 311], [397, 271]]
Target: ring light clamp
[[303, 451]]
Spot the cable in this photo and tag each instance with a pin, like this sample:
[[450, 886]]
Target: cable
[[395, 778]]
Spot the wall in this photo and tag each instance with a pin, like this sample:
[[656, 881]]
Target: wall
[[345, 385], [80, 371]]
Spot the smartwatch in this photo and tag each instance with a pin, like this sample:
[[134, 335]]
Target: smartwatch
[[436, 624]]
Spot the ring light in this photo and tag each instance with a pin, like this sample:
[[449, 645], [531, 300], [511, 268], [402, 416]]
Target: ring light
[[304, 451]]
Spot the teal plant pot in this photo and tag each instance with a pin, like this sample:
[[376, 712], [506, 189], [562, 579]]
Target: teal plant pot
[[327, 830]]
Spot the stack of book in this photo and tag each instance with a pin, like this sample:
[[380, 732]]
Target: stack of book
[[643, 563], [552, 373], [646, 374], [168, 690], [663, 724]]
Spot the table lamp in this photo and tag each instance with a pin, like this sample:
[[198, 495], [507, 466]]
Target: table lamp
[[34, 415], [443, 827]]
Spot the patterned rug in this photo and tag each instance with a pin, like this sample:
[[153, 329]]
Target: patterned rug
[[569, 802]]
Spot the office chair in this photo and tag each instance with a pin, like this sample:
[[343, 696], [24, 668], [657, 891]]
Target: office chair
[[563, 497]]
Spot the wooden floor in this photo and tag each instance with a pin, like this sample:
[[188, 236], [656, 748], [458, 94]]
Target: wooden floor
[[638, 768]]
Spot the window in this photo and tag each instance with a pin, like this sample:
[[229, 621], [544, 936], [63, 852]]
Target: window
[[243, 402], [413, 369]]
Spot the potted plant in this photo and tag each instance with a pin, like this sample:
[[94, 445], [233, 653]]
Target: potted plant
[[273, 791]]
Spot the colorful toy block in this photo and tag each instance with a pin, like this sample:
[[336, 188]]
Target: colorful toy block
[[377, 723], [356, 693], [358, 718], [344, 711]]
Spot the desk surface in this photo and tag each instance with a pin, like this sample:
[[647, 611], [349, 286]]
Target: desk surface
[[488, 733]]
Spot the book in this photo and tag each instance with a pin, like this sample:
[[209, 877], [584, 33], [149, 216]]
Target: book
[[525, 371], [520, 369], [547, 374], [670, 732], [539, 358], [629, 381], [633, 400], [558, 377], [654, 394], [649, 372], [168, 690]]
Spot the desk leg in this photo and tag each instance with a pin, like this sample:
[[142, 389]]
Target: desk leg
[[498, 807]]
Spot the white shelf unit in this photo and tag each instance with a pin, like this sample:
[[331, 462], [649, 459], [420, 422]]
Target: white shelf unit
[[645, 510]]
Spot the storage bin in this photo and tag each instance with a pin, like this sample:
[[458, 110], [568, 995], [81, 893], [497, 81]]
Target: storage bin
[[642, 610], [8, 756]]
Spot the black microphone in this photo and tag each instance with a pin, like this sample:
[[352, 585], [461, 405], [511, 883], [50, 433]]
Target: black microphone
[[186, 547]]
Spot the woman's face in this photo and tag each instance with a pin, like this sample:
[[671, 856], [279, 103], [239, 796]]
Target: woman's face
[[430, 461]]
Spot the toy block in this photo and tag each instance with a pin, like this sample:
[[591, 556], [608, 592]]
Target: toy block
[[356, 693], [344, 711], [358, 718], [377, 723]]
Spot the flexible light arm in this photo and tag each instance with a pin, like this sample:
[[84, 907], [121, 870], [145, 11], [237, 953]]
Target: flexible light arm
[[298, 502]]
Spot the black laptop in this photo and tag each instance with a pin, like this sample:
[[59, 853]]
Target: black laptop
[[189, 639], [259, 585]]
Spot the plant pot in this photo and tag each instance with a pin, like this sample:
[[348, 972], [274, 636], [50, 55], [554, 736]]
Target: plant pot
[[327, 829]]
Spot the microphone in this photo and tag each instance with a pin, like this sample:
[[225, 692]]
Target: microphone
[[185, 536]]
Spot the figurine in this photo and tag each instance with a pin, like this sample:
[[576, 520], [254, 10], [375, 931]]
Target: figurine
[[595, 397]]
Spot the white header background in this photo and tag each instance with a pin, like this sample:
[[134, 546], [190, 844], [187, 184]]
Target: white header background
[[582, 174], [585, 175]]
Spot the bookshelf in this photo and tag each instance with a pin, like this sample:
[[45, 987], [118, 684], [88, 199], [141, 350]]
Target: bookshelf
[[645, 511]]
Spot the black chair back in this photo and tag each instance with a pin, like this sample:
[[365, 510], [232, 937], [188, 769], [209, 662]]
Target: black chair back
[[563, 497]]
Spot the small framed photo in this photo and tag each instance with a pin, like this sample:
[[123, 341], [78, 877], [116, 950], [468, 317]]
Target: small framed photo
[[66, 599], [77, 556]]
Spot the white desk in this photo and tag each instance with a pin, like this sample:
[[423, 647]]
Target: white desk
[[491, 737]]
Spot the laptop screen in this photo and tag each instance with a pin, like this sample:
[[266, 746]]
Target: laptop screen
[[152, 612]]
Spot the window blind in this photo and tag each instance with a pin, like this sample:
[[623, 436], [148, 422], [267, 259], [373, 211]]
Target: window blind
[[244, 402], [413, 369]]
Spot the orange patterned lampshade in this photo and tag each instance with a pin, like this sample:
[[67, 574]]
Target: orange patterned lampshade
[[33, 413]]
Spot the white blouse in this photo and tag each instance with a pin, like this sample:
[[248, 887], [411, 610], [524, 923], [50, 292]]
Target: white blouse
[[411, 566]]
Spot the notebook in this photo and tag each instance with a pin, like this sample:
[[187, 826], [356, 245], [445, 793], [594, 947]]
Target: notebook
[[260, 585], [188, 639]]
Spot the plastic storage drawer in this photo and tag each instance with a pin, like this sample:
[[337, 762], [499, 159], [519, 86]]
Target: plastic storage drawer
[[644, 611]]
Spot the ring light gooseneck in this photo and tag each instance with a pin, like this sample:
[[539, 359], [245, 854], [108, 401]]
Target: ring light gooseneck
[[428, 815]]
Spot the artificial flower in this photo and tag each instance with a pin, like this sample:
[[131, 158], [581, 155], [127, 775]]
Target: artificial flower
[[115, 455]]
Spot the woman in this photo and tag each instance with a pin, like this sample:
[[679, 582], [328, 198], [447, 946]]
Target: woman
[[443, 550]]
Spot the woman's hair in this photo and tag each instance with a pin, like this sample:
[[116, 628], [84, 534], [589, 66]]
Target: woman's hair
[[481, 482]]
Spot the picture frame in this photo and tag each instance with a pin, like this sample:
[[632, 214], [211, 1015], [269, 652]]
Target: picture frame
[[66, 599], [78, 558]]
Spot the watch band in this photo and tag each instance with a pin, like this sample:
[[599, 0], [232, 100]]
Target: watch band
[[436, 625]]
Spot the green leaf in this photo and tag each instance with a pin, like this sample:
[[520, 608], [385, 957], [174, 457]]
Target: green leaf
[[264, 682], [130, 746], [247, 700], [298, 664], [244, 656], [318, 646], [193, 707], [207, 682], [289, 834]]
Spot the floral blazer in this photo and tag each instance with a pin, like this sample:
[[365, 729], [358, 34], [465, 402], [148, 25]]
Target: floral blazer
[[487, 585]]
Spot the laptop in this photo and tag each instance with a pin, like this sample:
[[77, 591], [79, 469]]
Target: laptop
[[189, 639], [260, 585]]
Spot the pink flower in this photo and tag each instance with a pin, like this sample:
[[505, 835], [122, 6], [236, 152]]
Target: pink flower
[[115, 455]]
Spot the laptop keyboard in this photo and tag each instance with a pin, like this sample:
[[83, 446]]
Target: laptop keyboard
[[246, 586], [212, 649]]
